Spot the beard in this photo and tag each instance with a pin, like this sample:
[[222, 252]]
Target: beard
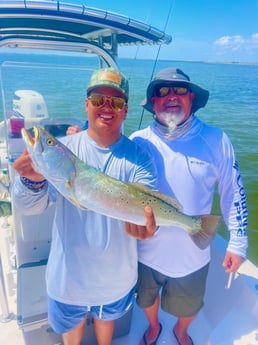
[[170, 119]]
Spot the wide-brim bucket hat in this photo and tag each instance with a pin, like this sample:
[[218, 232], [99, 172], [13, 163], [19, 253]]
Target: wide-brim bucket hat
[[175, 76]]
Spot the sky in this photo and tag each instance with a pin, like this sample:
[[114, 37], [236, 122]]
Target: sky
[[201, 30]]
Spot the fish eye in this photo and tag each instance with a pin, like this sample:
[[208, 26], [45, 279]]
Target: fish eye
[[50, 142]]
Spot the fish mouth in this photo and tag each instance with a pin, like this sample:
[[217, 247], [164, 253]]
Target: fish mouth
[[26, 134]]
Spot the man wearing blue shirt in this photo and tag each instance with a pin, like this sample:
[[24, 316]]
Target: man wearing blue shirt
[[92, 264]]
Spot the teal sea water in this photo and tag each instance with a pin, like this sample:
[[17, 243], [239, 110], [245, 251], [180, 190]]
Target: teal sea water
[[232, 106]]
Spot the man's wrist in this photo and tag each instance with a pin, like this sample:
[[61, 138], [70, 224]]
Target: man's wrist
[[33, 185]]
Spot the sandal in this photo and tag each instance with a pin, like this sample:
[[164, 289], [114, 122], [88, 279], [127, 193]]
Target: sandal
[[178, 340], [155, 341]]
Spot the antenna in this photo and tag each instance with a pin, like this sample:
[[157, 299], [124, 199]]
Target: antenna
[[156, 59]]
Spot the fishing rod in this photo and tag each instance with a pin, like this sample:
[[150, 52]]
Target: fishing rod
[[156, 59]]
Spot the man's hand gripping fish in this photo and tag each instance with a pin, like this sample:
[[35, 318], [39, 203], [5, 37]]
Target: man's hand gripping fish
[[88, 188]]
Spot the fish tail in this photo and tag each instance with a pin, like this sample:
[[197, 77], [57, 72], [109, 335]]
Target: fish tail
[[209, 226]]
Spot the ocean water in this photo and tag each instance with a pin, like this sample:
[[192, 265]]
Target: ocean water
[[232, 106]]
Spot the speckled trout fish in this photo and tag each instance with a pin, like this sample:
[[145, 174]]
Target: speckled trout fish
[[88, 188]]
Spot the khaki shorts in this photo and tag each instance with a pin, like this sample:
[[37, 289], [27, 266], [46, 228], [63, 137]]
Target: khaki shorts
[[182, 297]]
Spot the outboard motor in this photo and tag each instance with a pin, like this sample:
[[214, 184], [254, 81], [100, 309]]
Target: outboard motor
[[29, 107]]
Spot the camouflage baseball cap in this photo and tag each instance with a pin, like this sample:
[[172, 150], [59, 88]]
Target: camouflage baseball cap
[[109, 77]]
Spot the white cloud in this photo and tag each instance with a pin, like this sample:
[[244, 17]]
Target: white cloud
[[236, 43]]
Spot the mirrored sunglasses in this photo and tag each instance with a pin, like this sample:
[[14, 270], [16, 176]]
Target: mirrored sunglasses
[[97, 100], [162, 91]]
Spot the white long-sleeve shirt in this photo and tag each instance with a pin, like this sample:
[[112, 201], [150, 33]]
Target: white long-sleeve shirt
[[190, 167], [92, 260]]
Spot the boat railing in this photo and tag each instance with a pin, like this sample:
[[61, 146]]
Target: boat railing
[[4, 308]]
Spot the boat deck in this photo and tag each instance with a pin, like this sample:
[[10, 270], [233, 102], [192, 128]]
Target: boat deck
[[200, 332], [229, 316]]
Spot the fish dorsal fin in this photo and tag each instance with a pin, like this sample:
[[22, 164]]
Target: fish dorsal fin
[[166, 198]]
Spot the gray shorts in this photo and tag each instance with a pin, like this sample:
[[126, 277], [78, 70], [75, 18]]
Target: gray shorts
[[182, 297]]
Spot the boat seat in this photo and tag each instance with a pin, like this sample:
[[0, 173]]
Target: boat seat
[[32, 310], [32, 236]]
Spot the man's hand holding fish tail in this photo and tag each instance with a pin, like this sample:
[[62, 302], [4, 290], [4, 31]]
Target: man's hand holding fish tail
[[143, 232]]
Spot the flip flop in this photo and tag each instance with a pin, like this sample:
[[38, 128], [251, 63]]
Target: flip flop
[[155, 341], [178, 340]]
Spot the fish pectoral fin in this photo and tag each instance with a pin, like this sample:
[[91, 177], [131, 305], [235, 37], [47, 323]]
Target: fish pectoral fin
[[69, 184], [73, 198], [209, 226], [82, 208], [77, 204], [163, 197]]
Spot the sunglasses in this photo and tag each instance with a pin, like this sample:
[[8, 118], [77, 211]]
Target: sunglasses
[[162, 91], [97, 100]]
